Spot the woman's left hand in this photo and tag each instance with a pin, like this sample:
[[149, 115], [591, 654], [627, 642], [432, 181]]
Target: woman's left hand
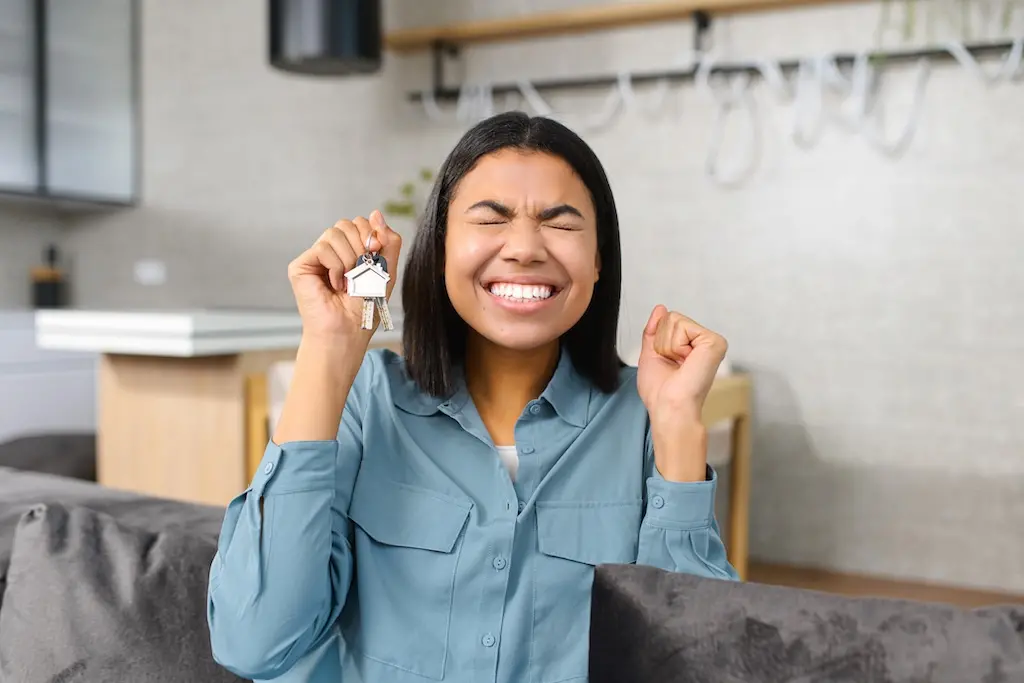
[[677, 366]]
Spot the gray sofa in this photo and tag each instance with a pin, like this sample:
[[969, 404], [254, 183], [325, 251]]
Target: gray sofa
[[651, 626], [102, 586]]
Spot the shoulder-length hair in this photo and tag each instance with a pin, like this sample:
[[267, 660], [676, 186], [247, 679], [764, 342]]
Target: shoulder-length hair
[[433, 334]]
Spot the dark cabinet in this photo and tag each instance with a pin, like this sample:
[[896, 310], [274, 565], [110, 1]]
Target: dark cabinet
[[69, 100]]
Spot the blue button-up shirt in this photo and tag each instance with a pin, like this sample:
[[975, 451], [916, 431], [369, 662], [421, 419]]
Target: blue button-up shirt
[[403, 552]]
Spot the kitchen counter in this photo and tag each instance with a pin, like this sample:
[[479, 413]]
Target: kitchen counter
[[172, 390]]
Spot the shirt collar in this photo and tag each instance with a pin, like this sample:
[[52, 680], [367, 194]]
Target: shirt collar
[[567, 392]]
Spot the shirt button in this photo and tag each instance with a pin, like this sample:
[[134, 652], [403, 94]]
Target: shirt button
[[535, 409], [268, 468], [487, 640], [499, 563], [658, 502], [527, 449]]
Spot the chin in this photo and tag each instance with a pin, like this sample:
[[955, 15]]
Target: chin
[[520, 337]]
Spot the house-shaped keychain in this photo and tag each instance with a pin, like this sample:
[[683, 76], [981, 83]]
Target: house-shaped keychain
[[368, 280]]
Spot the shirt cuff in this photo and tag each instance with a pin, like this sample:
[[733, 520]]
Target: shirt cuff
[[681, 505], [296, 466]]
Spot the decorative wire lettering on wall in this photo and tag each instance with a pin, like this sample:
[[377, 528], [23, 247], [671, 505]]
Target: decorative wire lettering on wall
[[841, 89]]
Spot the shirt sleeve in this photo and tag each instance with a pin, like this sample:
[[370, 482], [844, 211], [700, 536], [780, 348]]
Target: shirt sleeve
[[679, 531], [281, 575]]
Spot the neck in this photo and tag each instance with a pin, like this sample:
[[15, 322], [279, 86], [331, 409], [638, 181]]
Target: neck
[[502, 381]]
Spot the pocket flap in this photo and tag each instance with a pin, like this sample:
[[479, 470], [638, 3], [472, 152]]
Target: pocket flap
[[399, 514], [592, 533]]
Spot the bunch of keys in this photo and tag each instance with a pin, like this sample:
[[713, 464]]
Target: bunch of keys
[[369, 281]]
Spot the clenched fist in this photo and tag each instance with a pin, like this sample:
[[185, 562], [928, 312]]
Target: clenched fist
[[677, 367]]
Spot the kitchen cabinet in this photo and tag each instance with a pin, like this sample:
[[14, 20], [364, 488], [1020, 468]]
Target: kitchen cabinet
[[42, 391], [69, 95], [18, 162]]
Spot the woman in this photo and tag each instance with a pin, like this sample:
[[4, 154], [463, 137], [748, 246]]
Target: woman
[[449, 528]]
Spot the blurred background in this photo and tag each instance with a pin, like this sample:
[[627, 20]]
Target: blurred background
[[837, 187]]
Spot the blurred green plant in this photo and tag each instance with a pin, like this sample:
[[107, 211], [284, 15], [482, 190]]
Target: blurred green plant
[[408, 203]]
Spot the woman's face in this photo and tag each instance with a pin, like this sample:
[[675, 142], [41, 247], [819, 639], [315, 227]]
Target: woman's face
[[521, 248]]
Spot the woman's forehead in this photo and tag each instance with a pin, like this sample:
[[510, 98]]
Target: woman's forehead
[[535, 180]]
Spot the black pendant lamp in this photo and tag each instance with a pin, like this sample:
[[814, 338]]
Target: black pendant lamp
[[326, 37]]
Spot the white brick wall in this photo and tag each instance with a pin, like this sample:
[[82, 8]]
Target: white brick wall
[[877, 302]]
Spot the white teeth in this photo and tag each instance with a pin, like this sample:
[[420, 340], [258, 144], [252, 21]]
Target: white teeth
[[507, 290]]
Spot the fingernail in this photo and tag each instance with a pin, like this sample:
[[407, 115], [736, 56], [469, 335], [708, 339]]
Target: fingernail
[[377, 218]]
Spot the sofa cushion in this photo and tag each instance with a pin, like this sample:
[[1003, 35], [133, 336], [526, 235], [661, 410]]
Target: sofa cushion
[[19, 491], [91, 599], [653, 626], [67, 455]]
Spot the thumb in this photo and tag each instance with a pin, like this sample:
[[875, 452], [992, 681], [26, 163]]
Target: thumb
[[390, 244], [651, 328]]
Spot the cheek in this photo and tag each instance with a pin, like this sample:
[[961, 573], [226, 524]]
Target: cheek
[[466, 254], [580, 262], [463, 261]]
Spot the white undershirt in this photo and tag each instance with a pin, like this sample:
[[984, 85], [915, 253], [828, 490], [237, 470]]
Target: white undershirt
[[510, 459]]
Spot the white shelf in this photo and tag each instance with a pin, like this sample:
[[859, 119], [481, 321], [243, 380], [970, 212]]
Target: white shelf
[[183, 334]]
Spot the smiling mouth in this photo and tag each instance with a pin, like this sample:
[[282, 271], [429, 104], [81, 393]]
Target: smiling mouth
[[519, 292]]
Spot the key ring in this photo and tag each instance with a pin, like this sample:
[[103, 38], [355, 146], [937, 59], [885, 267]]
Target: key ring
[[368, 256]]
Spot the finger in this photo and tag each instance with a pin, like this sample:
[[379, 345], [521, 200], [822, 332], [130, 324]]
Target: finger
[[390, 241], [390, 245], [700, 336], [354, 235], [332, 263], [683, 334], [368, 240], [663, 337], [652, 322], [650, 330], [339, 240], [320, 259], [343, 238]]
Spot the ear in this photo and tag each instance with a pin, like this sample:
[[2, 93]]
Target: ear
[[597, 267]]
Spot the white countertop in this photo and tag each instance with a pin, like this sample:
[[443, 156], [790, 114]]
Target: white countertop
[[182, 333]]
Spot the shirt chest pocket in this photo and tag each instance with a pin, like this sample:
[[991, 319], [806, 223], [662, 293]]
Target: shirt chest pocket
[[407, 548], [572, 539]]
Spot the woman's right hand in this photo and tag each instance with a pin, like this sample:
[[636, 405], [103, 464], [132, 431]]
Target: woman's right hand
[[318, 280]]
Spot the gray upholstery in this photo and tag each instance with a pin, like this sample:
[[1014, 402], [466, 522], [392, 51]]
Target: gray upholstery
[[19, 491], [89, 599], [67, 455], [652, 626]]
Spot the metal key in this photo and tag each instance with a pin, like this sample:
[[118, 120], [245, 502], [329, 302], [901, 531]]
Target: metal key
[[369, 280], [368, 313], [381, 301], [385, 313]]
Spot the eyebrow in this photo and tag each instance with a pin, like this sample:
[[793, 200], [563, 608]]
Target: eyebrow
[[545, 215]]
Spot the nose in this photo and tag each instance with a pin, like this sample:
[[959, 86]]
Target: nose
[[524, 243]]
